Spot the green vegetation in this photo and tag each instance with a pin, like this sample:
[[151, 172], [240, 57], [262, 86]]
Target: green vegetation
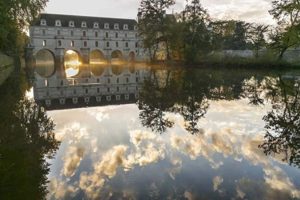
[[15, 16], [191, 36]]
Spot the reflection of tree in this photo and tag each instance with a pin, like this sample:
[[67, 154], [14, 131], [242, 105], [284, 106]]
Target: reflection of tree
[[252, 90], [26, 141], [283, 122], [156, 99]]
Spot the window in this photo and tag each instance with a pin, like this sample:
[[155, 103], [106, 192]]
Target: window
[[86, 91], [96, 34], [72, 43], [74, 92], [84, 33], [71, 23], [108, 89], [57, 23], [136, 45], [108, 80], [106, 25], [127, 80], [72, 33], [43, 32], [118, 89], [125, 27], [117, 44], [59, 43], [126, 35], [117, 35], [58, 32], [98, 80], [135, 28], [116, 26], [117, 80], [98, 90], [43, 22], [44, 43], [96, 44], [126, 44], [83, 24], [96, 25], [136, 35], [85, 44], [106, 34], [107, 44]]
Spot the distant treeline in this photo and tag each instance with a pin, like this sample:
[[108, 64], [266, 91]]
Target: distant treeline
[[191, 34]]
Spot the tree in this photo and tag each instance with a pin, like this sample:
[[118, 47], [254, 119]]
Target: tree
[[256, 36], [287, 14], [153, 24], [196, 34], [15, 16]]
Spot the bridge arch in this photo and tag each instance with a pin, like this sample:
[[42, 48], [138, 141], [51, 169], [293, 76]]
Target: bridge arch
[[45, 63], [131, 56], [72, 63], [117, 55], [97, 62]]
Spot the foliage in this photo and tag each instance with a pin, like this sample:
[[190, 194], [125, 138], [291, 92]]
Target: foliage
[[256, 35], [15, 16], [287, 14], [26, 140]]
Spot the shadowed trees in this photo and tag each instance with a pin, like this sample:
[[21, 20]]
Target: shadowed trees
[[26, 141]]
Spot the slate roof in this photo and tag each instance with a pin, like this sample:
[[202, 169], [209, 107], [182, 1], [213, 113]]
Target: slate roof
[[51, 18]]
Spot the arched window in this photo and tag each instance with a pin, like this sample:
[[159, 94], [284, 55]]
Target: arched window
[[106, 34], [126, 44], [96, 34], [44, 43], [72, 33], [117, 44], [84, 33], [72, 43], [58, 32], [116, 26], [44, 32], [107, 44], [85, 43], [59, 43], [83, 24], [96, 44], [125, 27], [117, 35], [106, 25], [57, 23], [71, 23], [96, 25]]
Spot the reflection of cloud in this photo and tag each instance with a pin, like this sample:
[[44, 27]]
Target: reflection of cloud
[[188, 195], [60, 190], [217, 181], [278, 180], [72, 160]]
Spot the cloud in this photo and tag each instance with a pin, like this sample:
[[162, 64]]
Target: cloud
[[60, 190], [72, 160], [217, 181]]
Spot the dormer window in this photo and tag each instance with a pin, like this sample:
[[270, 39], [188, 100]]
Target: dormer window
[[116, 26], [43, 22], [125, 27], [57, 23], [96, 25], [106, 25], [71, 23], [135, 28], [83, 24]]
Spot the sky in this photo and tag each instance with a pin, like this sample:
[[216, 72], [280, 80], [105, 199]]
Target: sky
[[246, 10]]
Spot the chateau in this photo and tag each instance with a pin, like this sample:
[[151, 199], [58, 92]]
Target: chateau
[[72, 58]]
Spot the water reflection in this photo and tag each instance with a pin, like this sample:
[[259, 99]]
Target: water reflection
[[215, 127], [26, 141]]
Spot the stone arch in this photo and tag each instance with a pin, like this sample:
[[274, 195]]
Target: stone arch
[[131, 56], [117, 55], [97, 62], [44, 62], [72, 63]]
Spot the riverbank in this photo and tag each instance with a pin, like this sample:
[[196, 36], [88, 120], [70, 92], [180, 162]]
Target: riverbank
[[6, 67]]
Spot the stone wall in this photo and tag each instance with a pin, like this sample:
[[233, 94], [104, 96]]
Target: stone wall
[[6, 67]]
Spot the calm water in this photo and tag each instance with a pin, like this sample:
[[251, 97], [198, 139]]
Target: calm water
[[192, 134]]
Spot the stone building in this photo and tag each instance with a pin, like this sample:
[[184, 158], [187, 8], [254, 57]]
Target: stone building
[[67, 56]]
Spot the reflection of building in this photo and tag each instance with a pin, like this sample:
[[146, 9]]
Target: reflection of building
[[95, 41], [113, 85]]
